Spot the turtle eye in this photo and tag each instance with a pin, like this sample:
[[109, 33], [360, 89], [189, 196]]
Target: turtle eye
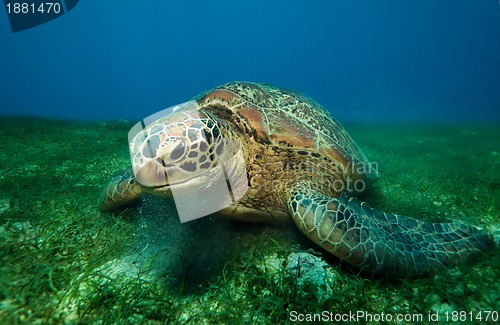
[[178, 151]]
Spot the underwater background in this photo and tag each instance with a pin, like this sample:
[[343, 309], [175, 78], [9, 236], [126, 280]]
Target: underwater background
[[363, 60], [415, 83]]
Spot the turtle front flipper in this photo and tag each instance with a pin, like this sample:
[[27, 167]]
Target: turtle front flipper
[[382, 242], [121, 191]]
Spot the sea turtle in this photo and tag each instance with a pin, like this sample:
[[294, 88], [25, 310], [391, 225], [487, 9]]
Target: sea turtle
[[301, 165]]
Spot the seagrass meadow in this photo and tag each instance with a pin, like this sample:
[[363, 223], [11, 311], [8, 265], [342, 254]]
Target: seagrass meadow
[[63, 261]]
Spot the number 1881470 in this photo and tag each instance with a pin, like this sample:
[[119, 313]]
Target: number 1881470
[[32, 8]]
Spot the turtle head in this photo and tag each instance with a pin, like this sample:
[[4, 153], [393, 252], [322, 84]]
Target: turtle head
[[177, 150]]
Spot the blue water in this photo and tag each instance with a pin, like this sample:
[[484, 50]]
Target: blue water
[[363, 60]]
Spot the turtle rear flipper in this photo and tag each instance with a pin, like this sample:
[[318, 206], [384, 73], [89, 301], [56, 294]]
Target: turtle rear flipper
[[383, 242], [121, 191]]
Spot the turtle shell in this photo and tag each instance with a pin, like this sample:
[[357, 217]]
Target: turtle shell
[[281, 117]]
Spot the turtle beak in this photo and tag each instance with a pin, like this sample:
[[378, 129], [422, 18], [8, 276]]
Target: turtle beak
[[152, 174], [164, 191]]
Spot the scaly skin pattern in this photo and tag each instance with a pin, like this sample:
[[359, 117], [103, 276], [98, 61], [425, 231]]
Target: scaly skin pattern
[[382, 242], [121, 190], [300, 165]]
